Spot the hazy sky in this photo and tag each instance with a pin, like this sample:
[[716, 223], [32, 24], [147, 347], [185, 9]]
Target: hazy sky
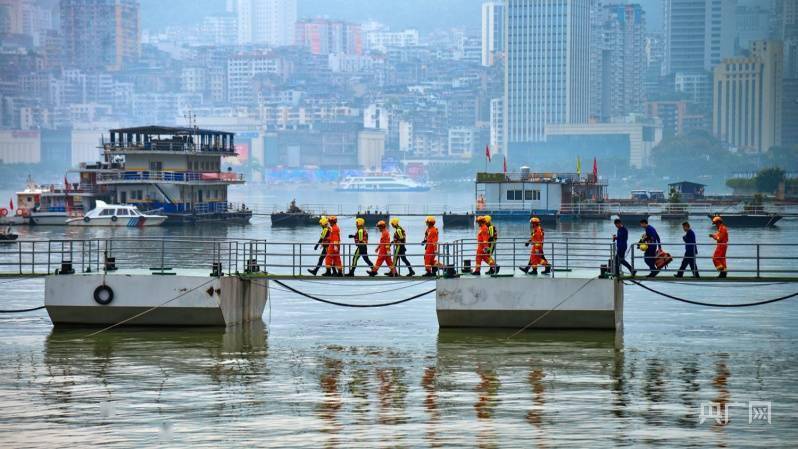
[[422, 14]]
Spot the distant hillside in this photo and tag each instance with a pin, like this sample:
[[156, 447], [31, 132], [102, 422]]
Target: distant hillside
[[425, 15]]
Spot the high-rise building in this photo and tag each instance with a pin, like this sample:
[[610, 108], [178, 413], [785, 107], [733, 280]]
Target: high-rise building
[[787, 31], [547, 67], [497, 125], [492, 32], [100, 33], [324, 37], [747, 98], [622, 61], [698, 34], [267, 22]]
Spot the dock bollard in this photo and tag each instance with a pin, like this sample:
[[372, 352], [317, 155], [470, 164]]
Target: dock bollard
[[252, 266], [66, 268], [216, 269]]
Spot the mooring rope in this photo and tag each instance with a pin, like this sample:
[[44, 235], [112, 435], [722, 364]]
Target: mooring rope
[[22, 310], [707, 304], [342, 304], [553, 308]]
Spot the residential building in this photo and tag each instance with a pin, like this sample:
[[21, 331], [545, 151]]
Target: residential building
[[383, 40], [497, 125], [621, 36], [789, 127], [747, 98], [370, 149], [462, 141], [324, 37], [267, 22], [242, 69], [220, 30], [547, 66], [675, 117], [492, 32], [100, 33], [698, 34]]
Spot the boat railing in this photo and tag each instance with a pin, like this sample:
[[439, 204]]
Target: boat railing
[[169, 176], [583, 256]]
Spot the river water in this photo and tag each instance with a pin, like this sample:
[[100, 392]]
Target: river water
[[313, 375]]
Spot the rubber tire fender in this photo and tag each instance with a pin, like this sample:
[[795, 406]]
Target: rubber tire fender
[[114, 219], [99, 290], [87, 219]]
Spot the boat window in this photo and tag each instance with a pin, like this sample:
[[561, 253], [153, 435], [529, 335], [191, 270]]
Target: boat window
[[134, 212], [515, 195], [106, 212], [121, 212]]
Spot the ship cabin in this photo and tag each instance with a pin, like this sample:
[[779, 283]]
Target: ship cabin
[[177, 170]]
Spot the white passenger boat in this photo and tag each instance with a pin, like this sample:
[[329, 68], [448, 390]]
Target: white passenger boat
[[116, 215], [380, 183]]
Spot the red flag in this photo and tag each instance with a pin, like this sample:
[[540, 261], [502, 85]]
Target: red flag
[[11, 204], [595, 169], [505, 165], [487, 152]]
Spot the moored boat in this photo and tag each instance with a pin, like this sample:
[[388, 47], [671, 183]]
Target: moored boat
[[381, 183], [117, 216], [294, 216], [742, 220]]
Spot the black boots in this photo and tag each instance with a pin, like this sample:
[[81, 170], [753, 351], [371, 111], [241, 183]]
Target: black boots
[[547, 270], [351, 273], [524, 269], [722, 274], [313, 271]]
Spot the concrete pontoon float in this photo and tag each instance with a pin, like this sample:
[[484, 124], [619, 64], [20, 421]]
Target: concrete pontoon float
[[189, 282]]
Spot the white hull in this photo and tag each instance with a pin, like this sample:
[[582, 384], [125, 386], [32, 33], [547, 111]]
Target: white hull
[[120, 222], [49, 218]]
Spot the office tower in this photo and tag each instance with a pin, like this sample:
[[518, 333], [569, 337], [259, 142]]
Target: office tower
[[620, 36], [787, 32], [747, 98], [547, 66], [266, 22], [698, 34], [492, 32], [100, 33]]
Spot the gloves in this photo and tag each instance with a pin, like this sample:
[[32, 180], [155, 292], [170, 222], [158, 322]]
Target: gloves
[[315, 248], [526, 244], [351, 236]]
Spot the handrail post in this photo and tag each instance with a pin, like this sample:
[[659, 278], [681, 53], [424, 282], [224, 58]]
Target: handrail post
[[514, 262], [163, 250], [757, 260], [567, 255]]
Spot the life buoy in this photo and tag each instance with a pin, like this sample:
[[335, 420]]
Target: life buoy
[[86, 219], [22, 212], [103, 295], [3, 211], [114, 218]]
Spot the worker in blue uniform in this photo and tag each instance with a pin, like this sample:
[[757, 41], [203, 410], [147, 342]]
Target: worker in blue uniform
[[621, 239], [690, 252], [652, 244]]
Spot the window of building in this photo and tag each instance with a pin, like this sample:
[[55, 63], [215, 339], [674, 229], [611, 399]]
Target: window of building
[[156, 165]]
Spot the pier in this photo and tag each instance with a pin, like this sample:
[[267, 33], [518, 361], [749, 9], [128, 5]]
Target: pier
[[190, 282]]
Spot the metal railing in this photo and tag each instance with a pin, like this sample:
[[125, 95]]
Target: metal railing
[[169, 176], [582, 256]]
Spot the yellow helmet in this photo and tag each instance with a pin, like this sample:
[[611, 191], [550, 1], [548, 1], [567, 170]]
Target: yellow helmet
[[430, 219], [323, 221], [716, 219], [487, 218], [643, 246], [360, 222], [534, 220], [394, 221], [381, 224]]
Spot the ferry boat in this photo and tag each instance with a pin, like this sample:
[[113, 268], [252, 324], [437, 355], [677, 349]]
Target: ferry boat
[[176, 170], [53, 205], [381, 183], [117, 216]]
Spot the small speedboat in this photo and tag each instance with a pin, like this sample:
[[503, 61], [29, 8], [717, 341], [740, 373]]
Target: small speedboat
[[116, 215]]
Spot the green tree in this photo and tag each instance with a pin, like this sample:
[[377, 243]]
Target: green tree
[[693, 154], [767, 180]]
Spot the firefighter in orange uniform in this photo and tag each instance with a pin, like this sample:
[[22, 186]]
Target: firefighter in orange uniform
[[430, 248], [536, 256], [324, 240], [334, 261], [483, 248], [722, 237], [383, 251]]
